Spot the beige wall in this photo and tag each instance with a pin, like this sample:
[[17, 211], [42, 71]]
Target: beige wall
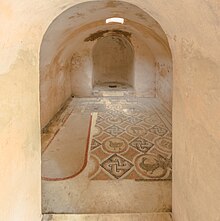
[[144, 69], [113, 60], [82, 68], [55, 85], [19, 114], [67, 62], [192, 28], [164, 80]]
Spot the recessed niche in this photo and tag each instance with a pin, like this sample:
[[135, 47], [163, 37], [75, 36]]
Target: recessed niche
[[113, 61]]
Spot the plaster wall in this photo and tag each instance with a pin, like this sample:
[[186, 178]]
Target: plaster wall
[[68, 47], [82, 68], [81, 72], [19, 114], [192, 28], [55, 86], [113, 61], [164, 81], [145, 71]]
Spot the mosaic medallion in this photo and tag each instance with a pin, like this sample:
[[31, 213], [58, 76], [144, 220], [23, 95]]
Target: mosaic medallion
[[115, 145], [114, 130], [152, 166], [141, 144], [136, 131], [117, 166], [115, 119], [164, 144], [158, 130]]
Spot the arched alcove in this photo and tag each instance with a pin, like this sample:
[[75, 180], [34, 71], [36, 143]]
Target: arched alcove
[[113, 61], [66, 66]]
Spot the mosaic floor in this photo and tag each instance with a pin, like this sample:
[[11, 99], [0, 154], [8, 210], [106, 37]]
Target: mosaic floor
[[129, 146], [131, 138], [131, 142]]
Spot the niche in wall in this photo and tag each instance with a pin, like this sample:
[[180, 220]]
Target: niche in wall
[[113, 61]]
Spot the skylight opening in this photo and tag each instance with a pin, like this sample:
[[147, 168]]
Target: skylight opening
[[115, 20]]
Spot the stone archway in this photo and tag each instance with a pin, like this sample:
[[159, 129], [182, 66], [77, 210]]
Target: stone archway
[[66, 69], [66, 55]]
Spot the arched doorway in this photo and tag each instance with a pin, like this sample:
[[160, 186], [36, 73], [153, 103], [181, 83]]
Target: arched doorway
[[134, 134]]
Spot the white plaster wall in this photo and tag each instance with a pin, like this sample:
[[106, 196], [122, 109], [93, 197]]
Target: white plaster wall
[[193, 31]]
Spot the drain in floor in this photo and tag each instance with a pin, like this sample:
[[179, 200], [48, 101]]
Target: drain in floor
[[112, 86]]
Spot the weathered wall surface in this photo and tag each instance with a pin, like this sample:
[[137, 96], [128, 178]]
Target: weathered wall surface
[[81, 72], [143, 69], [93, 63], [113, 61], [55, 85], [19, 115], [73, 37], [193, 31], [164, 80], [196, 61]]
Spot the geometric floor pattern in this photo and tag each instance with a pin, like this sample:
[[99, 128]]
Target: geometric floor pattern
[[131, 146], [131, 143]]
